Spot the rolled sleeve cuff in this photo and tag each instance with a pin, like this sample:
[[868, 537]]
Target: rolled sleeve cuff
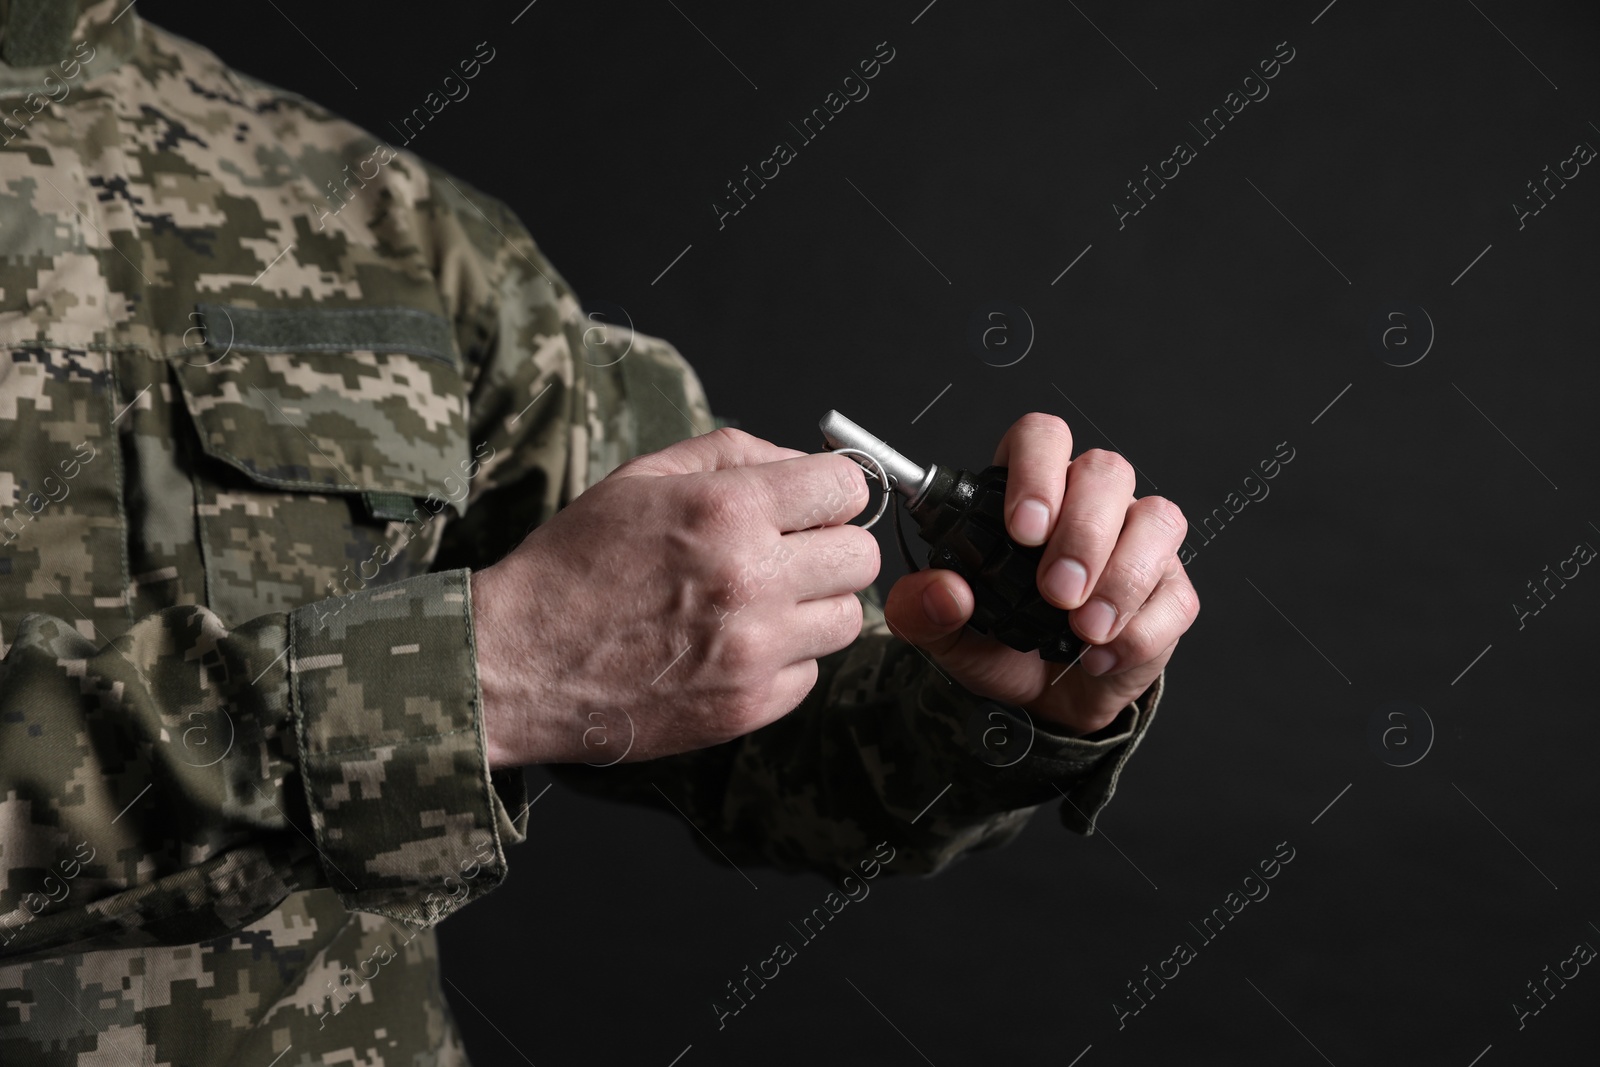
[[1095, 762], [408, 819], [1081, 771]]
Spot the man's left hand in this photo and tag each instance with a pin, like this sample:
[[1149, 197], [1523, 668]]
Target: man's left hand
[[1109, 559]]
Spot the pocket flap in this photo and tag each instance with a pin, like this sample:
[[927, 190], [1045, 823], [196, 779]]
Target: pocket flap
[[360, 400]]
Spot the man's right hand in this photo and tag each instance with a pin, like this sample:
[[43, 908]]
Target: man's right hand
[[679, 603]]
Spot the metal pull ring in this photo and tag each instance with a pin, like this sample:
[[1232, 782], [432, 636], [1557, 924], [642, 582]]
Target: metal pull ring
[[882, 478]]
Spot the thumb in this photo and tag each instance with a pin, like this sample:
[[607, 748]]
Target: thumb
[[717, 450], [930, 609]]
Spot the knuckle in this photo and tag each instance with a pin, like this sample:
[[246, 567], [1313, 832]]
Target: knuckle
[[728, 436], [706, 508], [741, 654], [1141, 641], [1111, 466], [1167, 516]]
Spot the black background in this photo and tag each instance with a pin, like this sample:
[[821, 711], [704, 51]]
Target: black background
[[1194, 340]]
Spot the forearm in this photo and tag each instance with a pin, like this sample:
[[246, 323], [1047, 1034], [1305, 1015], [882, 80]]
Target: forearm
[[884, 748]]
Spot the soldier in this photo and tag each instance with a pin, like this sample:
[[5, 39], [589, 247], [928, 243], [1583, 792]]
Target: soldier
[[276, 646]]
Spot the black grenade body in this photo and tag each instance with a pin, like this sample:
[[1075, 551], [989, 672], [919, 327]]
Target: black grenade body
[[962, 518]]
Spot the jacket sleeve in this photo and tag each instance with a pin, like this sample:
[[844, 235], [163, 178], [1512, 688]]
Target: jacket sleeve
[[884, 747], [180, 781]]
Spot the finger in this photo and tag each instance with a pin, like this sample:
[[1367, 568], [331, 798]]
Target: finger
[[1154, 527], [829, 561], [824, 626], [803, 492], [1099, 492], [1036, 451], [1149, 632], [718, 450], [930, 609]]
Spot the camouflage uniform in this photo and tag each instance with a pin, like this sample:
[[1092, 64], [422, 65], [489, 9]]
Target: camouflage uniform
[[252, 448]]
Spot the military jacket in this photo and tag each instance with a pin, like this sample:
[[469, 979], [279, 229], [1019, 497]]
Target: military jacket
[[270, 389]]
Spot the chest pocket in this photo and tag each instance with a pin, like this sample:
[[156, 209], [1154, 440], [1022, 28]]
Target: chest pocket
[[332, 450]]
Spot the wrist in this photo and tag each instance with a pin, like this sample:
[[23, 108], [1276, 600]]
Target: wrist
[[516, 726]]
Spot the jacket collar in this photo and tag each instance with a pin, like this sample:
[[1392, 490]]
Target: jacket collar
[[47, 43]]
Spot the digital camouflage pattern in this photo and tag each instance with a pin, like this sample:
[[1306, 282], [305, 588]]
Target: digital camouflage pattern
[[251, 450]]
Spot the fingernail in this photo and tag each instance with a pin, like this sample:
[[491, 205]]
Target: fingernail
[[940, 606], [1030, 522], [1064, 581], [1096, 618], [1098, 660]]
